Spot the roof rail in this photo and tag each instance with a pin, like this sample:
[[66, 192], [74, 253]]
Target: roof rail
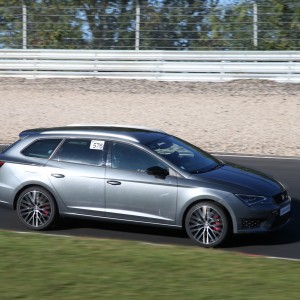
[[117, 126], [87, 129]]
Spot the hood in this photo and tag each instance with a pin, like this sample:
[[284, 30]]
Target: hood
[[241, 180]]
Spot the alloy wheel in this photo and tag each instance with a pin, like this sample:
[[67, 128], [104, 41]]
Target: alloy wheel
[[36, 209], [206, 224]]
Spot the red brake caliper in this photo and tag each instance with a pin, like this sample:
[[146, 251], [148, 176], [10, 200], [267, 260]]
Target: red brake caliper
[[46, 212], [216, 228]]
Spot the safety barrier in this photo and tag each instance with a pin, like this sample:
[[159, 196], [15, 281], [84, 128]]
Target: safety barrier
[[281, 66]]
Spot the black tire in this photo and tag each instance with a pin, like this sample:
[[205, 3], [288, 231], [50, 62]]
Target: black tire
[[207, 224], [36, 208]]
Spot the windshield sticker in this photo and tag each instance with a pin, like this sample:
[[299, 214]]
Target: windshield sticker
[[97, 145]]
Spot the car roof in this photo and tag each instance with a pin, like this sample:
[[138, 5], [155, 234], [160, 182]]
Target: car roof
[[127, 132]]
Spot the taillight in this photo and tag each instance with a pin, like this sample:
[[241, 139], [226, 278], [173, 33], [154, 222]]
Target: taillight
[[1, 163]]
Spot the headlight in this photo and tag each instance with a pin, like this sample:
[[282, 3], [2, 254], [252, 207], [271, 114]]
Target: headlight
[[251, 200]]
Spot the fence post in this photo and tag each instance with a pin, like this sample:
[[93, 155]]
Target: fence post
[[255, 37], [24, 26], [137, 24]]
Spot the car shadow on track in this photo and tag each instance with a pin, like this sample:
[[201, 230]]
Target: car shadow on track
[[122, 231], [287, 235]]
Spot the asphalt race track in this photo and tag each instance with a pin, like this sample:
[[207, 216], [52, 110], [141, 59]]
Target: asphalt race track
[[284, 243]]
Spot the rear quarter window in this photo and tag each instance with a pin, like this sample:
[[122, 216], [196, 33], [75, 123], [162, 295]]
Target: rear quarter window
[[41, 148]]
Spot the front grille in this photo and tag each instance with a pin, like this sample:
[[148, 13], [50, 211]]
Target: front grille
[[281, 198], [251, 223]]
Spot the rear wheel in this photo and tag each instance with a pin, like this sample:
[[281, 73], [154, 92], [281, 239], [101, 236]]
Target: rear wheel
[[36, 208], [207, 224]]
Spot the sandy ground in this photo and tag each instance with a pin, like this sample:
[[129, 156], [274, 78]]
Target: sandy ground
[[249, 117]]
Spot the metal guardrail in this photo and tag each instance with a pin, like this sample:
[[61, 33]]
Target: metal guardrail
[[282, 66]]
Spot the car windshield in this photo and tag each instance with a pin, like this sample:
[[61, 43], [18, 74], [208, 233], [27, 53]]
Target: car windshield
[[184, 155]]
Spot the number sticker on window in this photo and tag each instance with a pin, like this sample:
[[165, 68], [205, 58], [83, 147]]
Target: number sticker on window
[[97, 145]]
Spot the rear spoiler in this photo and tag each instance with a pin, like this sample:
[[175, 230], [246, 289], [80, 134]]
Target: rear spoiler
[[28, 132]]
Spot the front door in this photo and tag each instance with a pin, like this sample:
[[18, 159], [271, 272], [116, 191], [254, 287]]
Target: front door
[[132, 193]]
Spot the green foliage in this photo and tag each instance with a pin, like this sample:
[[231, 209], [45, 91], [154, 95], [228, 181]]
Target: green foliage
[[10, 24], [50, 24], [109, 23], [238, 26], [176, 24], [278, 25], [164, 24]]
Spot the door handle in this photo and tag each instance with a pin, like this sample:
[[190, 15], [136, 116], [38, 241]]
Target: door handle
[[57, 175], [113, 182]]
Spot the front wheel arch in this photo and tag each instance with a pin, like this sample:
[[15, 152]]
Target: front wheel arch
[[207, 200], [219, 205]]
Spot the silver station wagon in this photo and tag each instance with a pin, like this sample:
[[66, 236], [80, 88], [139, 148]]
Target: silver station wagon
[[136, 175]]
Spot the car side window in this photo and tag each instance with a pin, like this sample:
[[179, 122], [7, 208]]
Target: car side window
[[42, 148], [130, 158], [82, 151]]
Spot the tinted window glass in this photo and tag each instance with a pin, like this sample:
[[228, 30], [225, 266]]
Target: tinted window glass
[[81, 151], [41, 148], [127, 157]]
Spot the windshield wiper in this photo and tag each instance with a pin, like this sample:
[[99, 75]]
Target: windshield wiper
[[204, 171], [216, 167]]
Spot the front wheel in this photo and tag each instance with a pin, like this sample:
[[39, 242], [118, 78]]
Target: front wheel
[[36, 208], [207, 224]]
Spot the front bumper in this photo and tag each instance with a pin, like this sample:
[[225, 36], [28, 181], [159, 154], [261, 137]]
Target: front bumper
[[267, 220]]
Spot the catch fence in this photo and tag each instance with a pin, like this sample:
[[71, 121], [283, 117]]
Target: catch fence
[[151, 25]]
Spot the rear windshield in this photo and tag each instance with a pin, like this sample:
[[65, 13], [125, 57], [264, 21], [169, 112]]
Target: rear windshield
[[41, 148]]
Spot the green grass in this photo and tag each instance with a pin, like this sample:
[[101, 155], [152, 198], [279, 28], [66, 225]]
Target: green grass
[[34, 266]]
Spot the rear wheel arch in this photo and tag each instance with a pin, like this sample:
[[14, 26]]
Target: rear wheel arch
[[29, 186], [36, 207]]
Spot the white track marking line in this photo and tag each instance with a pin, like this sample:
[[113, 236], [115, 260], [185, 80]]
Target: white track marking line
[[45, 234], [265, 256], [155, 245], [282, 258]]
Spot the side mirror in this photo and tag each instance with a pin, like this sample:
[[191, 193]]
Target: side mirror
[[158, 171]]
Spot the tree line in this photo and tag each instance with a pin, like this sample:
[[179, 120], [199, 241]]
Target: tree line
[[162, 24]]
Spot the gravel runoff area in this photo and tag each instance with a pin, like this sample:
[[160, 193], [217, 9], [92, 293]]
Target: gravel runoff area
[[242, 116]]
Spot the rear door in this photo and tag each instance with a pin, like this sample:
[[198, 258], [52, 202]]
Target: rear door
[[77, 173]]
